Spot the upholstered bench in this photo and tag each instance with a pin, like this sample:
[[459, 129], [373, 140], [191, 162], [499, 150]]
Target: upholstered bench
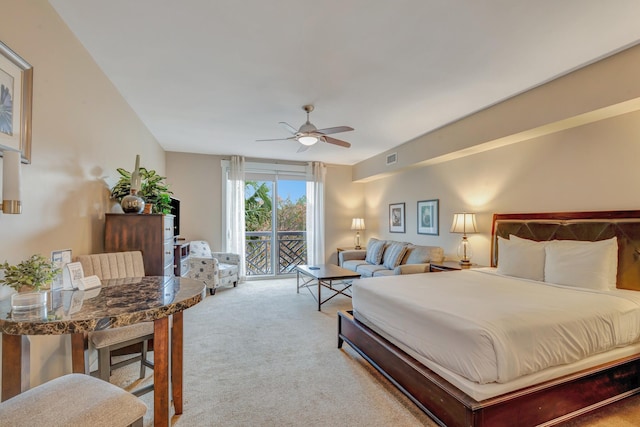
[[73, 400]]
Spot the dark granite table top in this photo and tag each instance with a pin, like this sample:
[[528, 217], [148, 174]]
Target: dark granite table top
[[118, 302]]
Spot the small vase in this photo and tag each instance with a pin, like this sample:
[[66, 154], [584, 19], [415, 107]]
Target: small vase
[[148, 208], [29, 306], [132, 203], [136, 179]]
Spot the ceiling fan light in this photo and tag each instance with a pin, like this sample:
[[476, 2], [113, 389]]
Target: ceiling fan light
[[308, 140]]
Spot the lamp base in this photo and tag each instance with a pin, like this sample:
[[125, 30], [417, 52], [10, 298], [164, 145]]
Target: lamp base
[[11, 206], [465, 262]]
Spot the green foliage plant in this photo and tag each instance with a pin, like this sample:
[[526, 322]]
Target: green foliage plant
[[257, 206], [154, 190], [258, 209], [292, 216], [35, 272]]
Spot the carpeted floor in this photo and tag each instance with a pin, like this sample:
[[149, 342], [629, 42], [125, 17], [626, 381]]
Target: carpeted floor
[[262, 355]]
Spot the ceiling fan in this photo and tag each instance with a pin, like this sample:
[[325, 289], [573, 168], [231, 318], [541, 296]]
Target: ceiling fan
[[308, 134]]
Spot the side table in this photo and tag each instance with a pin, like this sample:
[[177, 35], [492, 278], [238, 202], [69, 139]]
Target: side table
[[450, 266]]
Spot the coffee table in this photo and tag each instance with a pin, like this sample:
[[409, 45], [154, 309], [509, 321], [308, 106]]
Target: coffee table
[[329, 276]]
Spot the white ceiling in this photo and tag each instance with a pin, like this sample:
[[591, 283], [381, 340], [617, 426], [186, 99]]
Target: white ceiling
[[212, 76]]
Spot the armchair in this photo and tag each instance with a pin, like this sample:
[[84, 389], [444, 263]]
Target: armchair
[[214, 268]]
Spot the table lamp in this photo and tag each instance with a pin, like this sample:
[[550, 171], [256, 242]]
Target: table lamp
[[464, 223], [357, 224]]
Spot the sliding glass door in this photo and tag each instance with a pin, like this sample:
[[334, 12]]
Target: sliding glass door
[[275, 216]]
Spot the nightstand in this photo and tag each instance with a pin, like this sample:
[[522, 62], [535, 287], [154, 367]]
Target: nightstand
[[450, 266]]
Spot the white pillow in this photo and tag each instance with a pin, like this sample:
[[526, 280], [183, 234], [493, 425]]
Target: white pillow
[[521, 258], [591, 265]]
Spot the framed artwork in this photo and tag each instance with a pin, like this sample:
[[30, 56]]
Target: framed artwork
[[60, 259], [396, 218], [16, 95], [428, 217], [74, 269]]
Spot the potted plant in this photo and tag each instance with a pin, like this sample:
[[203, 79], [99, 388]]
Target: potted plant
[[35, 273], [153, 189]]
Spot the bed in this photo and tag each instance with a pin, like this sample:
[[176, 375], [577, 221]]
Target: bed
[[546, 395]]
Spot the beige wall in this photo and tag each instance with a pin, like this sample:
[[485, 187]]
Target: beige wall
[[604, 89], [196, 179], [569, 145], [344, 200], [592, 167], [82, 131]]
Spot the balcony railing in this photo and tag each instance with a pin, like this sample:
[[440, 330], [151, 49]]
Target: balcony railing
[[291, 250]]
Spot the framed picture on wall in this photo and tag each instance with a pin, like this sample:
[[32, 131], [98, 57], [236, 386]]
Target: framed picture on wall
[[396, 218], [428, 217], [16, 94]]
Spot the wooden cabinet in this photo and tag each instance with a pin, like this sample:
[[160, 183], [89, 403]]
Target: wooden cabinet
[[152, 234]]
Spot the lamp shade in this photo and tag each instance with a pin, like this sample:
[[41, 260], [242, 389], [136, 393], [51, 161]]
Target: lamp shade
[[464, 223], [357, 224]]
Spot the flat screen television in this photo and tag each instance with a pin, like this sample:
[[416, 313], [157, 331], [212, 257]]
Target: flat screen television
[[175, 210]]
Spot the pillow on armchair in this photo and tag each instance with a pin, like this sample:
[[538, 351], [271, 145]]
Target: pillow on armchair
[[199, 249]]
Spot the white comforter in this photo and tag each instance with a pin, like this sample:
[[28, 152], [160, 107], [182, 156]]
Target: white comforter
[[492, 328]]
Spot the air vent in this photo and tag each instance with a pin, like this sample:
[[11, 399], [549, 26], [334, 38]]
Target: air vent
[[392, 158]]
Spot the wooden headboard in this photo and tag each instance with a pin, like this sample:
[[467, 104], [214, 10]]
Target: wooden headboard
[[587, 226]]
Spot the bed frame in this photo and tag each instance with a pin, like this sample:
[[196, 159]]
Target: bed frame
[[544, 404]]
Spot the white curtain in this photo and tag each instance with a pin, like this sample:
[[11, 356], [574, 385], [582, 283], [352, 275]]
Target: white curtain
[[235, 212], [315, 213]]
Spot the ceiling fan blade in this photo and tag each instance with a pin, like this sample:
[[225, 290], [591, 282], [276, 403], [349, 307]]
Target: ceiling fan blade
[[335, 141], [303, 148], [288, 127], [337, 129], [276, 139]]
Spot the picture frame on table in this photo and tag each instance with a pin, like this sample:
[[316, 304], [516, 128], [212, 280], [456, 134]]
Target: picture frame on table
[[16, 97], [429, 217], [75, 274], [396, 218], [60, 259]]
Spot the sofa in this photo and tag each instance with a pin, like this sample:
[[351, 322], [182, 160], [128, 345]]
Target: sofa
[[389, 257]]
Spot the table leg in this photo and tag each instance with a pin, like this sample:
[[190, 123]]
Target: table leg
[[161, 407], [297, 281], [319, 296], [77, 353], [176, 361], [12, 365]]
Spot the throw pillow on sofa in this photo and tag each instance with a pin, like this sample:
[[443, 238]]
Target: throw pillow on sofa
[[375, 249], [423, 254], [393, 254]]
